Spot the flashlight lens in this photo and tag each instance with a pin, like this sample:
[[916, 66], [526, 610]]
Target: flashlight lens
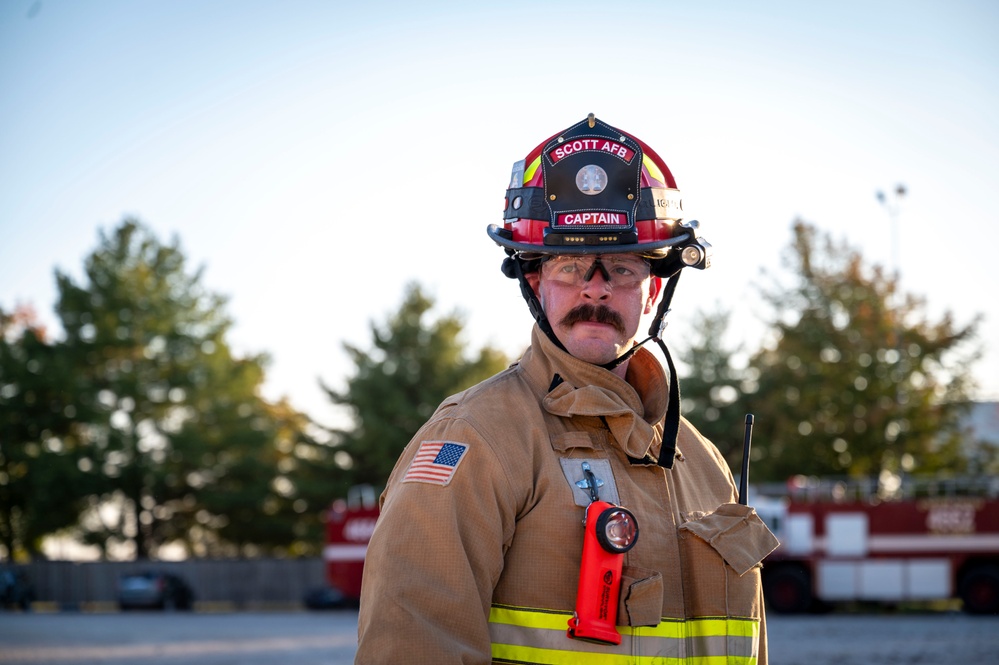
[[617, 530], [691, 256]]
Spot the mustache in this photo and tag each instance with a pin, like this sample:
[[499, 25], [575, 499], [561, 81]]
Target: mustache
[[598, 313]]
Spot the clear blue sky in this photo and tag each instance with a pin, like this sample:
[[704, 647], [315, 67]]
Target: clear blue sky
[[315, 158]]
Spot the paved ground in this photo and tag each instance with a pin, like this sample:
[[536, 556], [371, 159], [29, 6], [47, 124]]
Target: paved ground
[[903, 639], [152, 638], [329, 638]]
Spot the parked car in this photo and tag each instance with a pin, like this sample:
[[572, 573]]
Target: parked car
[[153, 589], [324, 598], [15, 589]]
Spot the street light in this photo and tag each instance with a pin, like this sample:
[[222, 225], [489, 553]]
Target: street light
[[889, 480], [892, 206]]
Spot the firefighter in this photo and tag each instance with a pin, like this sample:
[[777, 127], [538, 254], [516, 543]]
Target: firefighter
[[477, 555]]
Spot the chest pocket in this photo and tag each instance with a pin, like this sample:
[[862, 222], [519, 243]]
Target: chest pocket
[[576, 449], [721, 555]]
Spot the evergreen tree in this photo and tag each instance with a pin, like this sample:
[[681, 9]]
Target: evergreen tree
[[712, 387], [184, 440], [44, 478], [857, 379], [397, 384]]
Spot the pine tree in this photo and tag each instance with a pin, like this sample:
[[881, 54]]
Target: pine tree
[[181, 436], [712, 386], [397, 384], [45, 478]]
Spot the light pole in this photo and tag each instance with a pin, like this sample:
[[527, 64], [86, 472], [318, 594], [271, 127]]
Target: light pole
[[892, 206], [890, 479]]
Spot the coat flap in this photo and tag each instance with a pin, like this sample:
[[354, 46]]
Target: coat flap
[[737, 533]]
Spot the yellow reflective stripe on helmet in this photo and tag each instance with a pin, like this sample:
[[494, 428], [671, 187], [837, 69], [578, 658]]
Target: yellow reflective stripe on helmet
[[653, 170], [531, 169], [525, 635]]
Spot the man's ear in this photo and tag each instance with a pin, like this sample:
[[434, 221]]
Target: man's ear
[[655, 290], [534, 280]]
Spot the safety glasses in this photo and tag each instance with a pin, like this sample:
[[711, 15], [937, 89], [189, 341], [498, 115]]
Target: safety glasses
[[621, 271]]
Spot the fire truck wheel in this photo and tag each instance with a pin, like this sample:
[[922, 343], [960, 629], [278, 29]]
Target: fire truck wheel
[[787, 589], [980, 590]]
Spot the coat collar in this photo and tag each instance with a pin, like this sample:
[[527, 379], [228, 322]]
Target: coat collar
[[633, 409]]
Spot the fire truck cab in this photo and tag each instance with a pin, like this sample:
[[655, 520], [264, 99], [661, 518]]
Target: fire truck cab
[[851, 541], [349, 525]]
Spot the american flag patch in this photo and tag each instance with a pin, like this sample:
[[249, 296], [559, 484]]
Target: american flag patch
[[435, 462]]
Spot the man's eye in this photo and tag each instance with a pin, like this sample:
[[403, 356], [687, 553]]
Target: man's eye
[[627, 269]]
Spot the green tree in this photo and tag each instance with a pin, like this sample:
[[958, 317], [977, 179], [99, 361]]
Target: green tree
[[261, 485], [857, 379], [712, 386], [43, 483], [184, 440], [412, 366]]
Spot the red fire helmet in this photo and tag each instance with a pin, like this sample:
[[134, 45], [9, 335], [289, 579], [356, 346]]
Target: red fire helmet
[[591, 189]]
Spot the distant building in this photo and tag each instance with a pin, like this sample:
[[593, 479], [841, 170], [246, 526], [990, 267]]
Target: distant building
[[982, 425], [983, 422]]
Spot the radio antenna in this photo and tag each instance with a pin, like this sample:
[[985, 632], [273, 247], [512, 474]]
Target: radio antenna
[[744, 476]]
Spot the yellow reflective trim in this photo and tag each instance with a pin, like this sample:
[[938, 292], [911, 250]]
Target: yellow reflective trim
[[518, 644], [706, 627], [670, 628], [518, 616], [529, 171], [653, 170], [502, 653]]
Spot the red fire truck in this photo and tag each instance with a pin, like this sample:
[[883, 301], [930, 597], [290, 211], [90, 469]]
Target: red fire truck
[[349, 524], [853, 541], [840, 541]]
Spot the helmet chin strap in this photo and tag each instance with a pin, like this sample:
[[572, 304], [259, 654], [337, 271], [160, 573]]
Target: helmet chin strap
[[512, 267], [671, 423]]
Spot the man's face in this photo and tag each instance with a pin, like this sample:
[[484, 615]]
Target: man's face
[[595, 304]]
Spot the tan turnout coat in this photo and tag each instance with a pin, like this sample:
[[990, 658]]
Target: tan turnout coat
[[485, 567]]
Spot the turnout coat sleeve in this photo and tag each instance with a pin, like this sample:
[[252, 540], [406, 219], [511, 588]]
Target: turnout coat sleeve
[[437, 551]]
